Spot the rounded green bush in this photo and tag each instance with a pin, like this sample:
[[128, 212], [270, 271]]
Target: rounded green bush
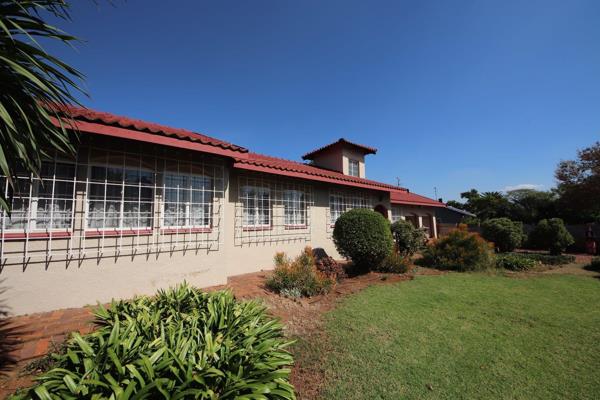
[[364, 236], [552, 235], [506, 235]]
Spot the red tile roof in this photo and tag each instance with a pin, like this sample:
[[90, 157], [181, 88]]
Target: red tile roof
[[405, 197], [279, 166], [118, 126], [107, 119], [365, 149]]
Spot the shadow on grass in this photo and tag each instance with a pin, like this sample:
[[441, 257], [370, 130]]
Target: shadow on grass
[[9, 337]]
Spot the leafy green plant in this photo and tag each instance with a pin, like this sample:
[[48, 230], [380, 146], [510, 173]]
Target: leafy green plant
[[36, 87], [549, 259], [407, 238], [299, 277], [515, 262], [552, 235], [364, 236], [394, 263], [506, 235], [183, 343], [459, 251]]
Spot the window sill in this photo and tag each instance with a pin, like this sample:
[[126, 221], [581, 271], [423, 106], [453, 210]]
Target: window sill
[[36, 235], [185, 230], [292, 227], [118, 232], [256, 228]]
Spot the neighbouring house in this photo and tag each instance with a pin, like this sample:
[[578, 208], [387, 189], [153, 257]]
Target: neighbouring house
[[144, 206]]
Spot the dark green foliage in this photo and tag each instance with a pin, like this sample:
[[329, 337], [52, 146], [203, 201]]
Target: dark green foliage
[[183, 343], [407, 238], [364, 236], [579, 184], [515, 262], [548, 259], [594, 265], [551, 235], [459, 251], [394, 263], [506, 235], [35, 87], [299, 277]]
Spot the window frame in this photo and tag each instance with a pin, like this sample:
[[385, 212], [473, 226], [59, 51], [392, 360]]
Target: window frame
[[120, 228], [352, 162], [302, 211], [188, 204], [33, 198], [243, 198]]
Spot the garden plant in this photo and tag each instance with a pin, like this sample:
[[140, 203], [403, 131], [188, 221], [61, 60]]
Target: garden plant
[[506, 235], [183, 343], [364, 236]]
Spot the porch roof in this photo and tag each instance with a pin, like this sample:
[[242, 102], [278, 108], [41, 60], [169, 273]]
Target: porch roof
[[406, 197]]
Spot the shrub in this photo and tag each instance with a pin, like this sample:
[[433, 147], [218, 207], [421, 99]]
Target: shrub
[[551, 235], [331, 268], [364, 236], [506, 235], [459, 251], [394, 263], [407, 238], [548, 259], [298, 277], [183, 343], [594, 265], [515, 262]]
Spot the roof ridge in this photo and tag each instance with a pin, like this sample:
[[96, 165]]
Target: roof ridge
[[368, 149]]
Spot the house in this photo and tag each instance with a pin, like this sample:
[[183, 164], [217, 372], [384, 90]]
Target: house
[[144, 206]]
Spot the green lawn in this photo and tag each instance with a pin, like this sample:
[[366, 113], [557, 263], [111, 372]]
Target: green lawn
[[465, 336]]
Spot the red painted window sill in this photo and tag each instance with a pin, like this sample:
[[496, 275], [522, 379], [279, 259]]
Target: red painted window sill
[[185, 230], [117, 232], [292, 227], [256, 228], [36, 235]]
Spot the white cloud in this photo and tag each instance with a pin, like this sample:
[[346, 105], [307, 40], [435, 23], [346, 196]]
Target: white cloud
[[523, 186]]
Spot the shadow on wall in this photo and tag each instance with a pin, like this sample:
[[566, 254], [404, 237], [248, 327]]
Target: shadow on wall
[[9, 336]]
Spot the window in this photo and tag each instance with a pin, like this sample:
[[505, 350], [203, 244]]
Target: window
[[340, 203], [42, 204], [353, 167], [256, 205], [396, 214], [294, 203], [188, 200], [120, 197]]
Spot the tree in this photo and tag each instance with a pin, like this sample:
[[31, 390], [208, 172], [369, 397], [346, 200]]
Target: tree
[[579, 185], [35, 88], [485, 205], [529, 205]]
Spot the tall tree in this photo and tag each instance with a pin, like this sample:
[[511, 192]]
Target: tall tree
[[579, 184], [530, 206], [35, 87]]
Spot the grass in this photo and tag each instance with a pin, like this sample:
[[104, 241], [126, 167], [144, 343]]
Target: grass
[[463, 336]]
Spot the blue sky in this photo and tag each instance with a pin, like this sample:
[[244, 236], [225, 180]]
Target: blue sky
[[454, 94]]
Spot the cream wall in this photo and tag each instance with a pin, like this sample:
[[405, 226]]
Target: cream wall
[[53, 284], [348, 154]]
